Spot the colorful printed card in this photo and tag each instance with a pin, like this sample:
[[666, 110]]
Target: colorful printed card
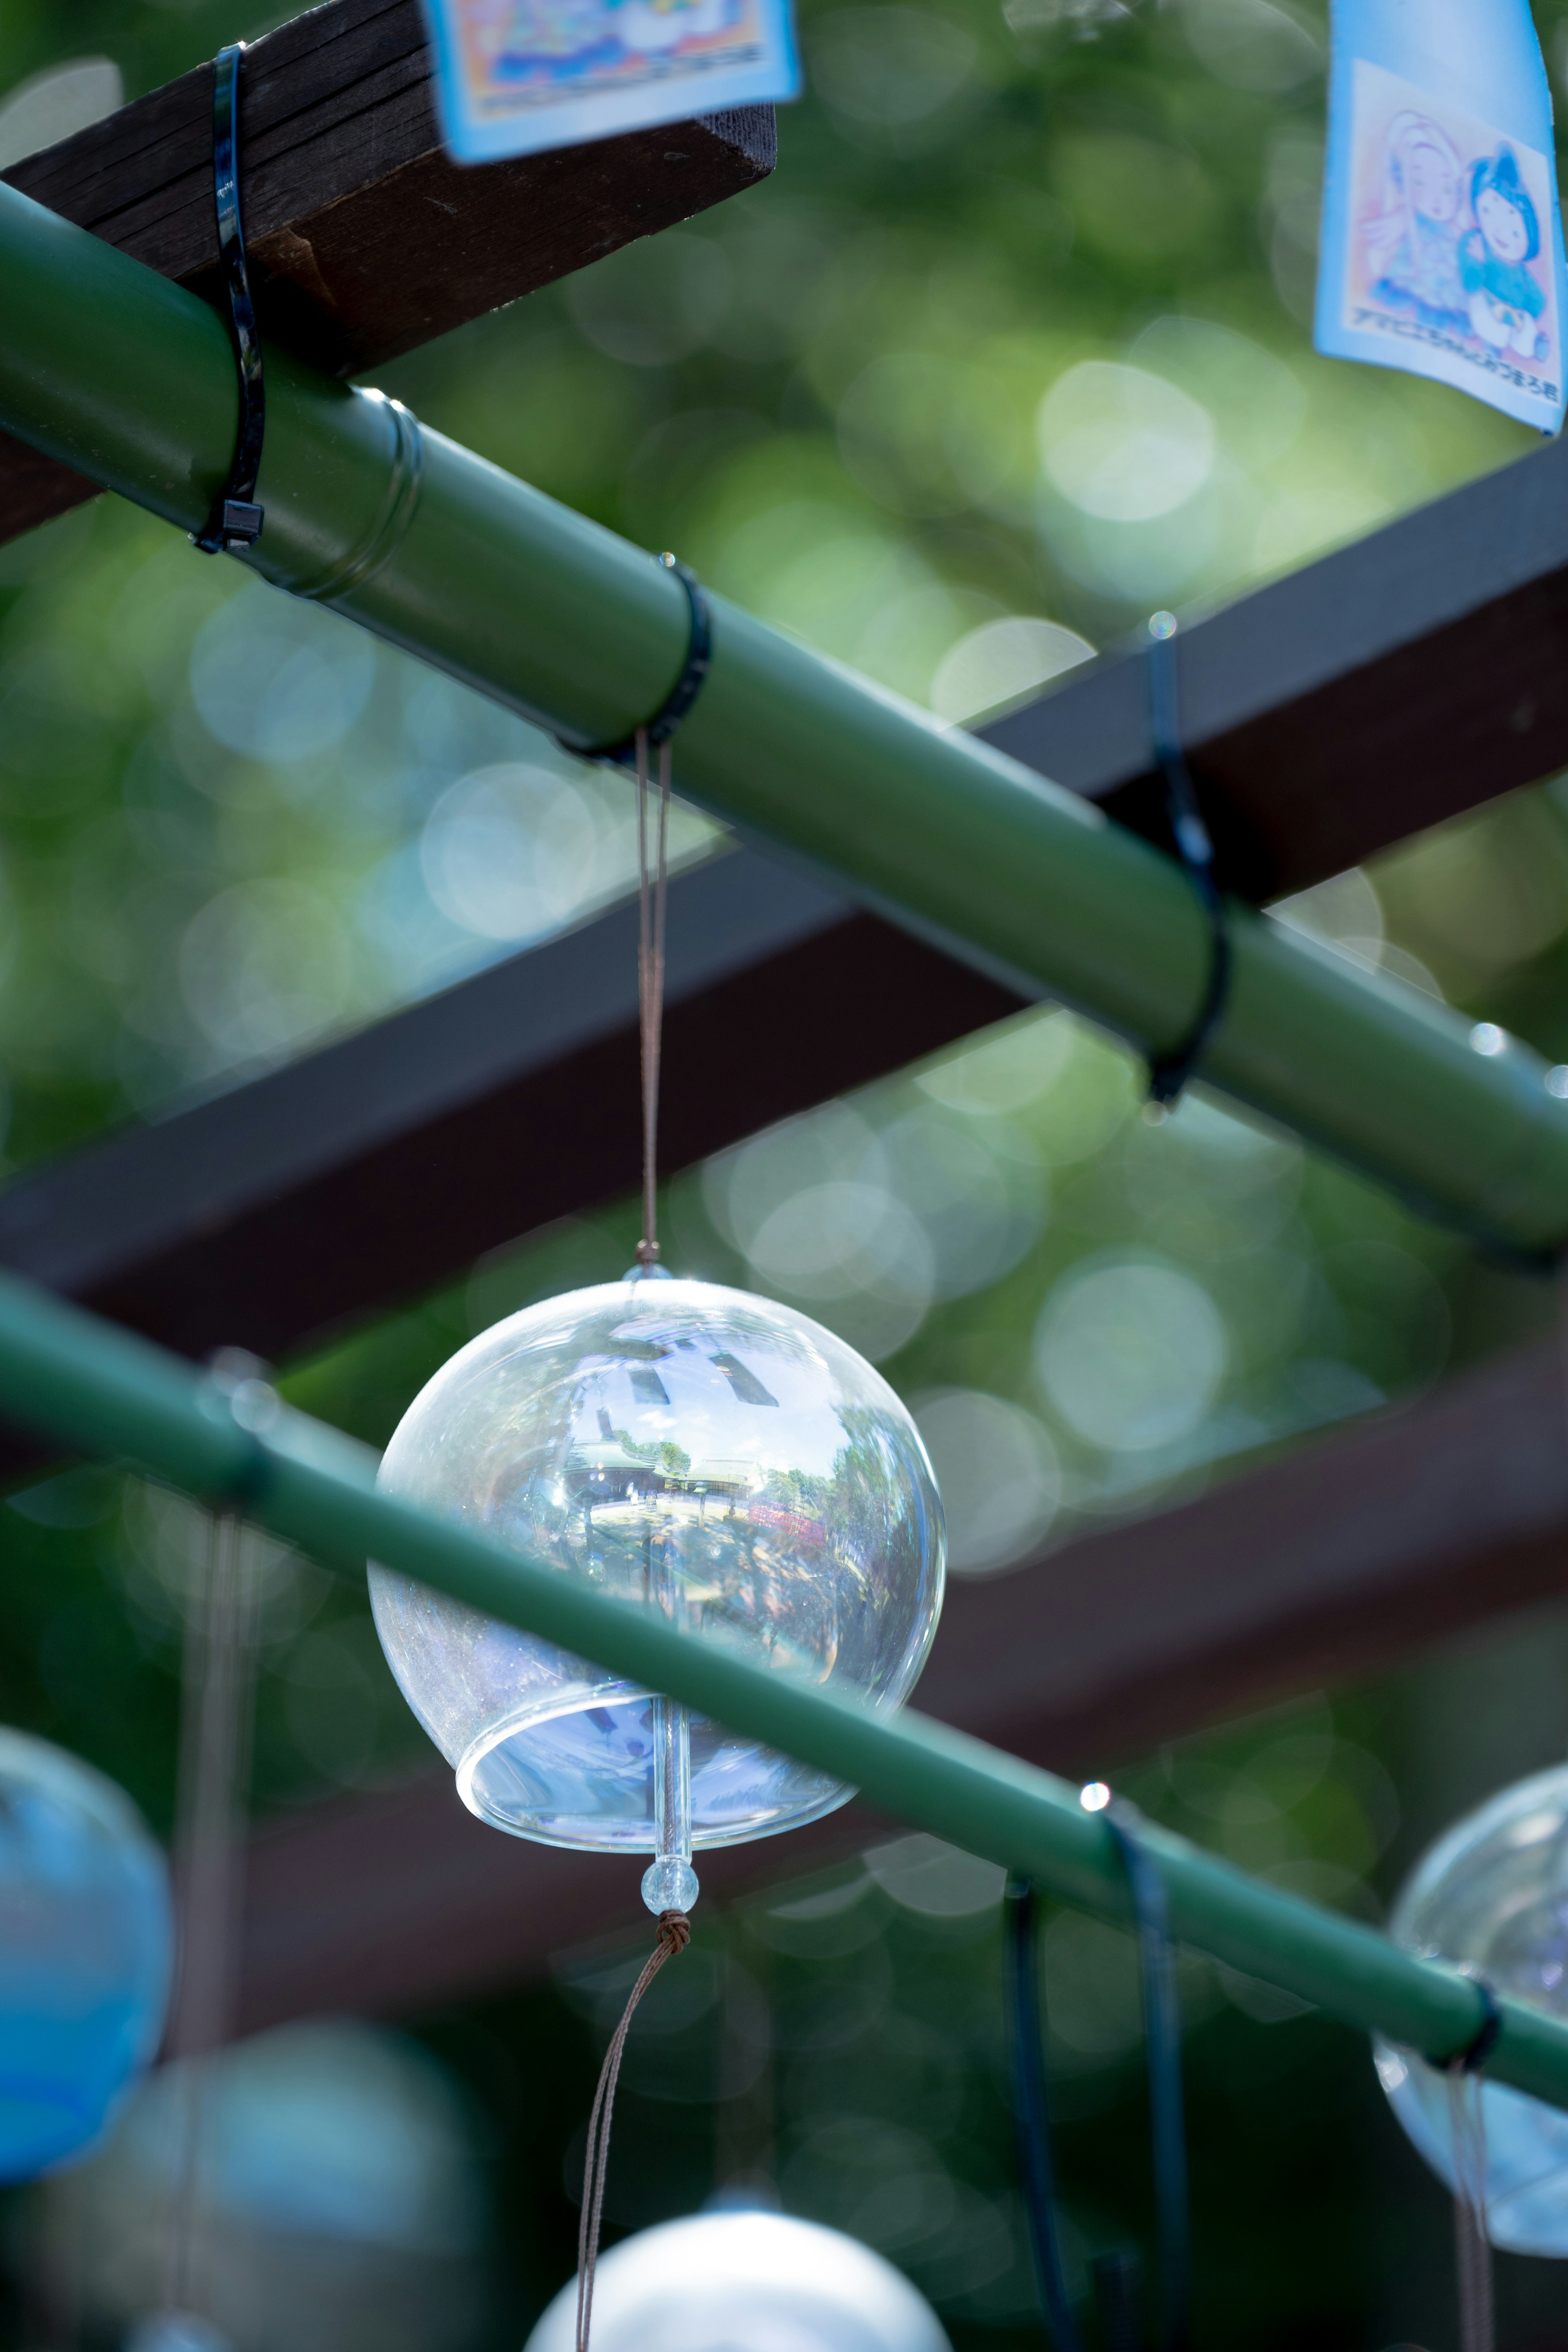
[[1442, 249], [513, 76]]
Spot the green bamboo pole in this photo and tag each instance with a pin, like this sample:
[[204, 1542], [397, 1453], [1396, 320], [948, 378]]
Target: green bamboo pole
[[129, 379], [98, 1389]]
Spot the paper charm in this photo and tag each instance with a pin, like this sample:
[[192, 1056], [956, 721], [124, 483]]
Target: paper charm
[[513, 76], [1442, 248]]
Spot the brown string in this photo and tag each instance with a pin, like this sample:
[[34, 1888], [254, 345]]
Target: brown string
[[651, 896], [674, 1935]]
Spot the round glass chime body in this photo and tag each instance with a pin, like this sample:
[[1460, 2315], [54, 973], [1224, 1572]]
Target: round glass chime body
[[1492, 1895], [86, 1952], [765, 2281], [708, 1454]]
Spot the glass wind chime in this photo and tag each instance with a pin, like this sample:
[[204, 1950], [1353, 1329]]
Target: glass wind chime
[[86, 1953], [698, 1450], [1491, 1896], [769, 2281]]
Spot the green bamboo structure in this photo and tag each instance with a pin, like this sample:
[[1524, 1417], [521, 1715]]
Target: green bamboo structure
[[96, 1389], [130, 380]]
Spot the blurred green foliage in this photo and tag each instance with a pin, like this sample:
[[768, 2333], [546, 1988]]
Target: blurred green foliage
[[1013, 347]]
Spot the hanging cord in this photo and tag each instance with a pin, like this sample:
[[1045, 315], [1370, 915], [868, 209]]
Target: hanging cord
[[657, 734], [674, 1935], [1467, 2118], [235, 519], [651, 902], [1032, 2114], [1169, 1072], [215, 1744], [1163, 2045]]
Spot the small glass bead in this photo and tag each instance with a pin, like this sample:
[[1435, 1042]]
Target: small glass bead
[[669, 1884]]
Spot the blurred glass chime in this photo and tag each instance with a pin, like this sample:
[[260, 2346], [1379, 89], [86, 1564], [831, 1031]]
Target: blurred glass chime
[[86, 1949], [1492, 1895], [338, 2207], [763, 2281]]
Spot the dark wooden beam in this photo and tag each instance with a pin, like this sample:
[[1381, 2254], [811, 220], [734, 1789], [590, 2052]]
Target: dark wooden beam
[[366, 1173], [1381, 690], [1349, 1556], [364, 239]]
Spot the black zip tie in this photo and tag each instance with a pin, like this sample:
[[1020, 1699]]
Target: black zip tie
[[1031, 2113], [1478, 2049], [1162, 2046], [1169, 1072], [688, 686], [236, 520]]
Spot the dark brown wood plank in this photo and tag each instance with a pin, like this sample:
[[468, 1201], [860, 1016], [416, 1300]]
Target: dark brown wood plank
[[1354, 1553], [366, 239], [365, 1173], [1377, 692]]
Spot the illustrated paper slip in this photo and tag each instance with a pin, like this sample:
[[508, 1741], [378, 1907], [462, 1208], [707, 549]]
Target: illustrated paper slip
[[513, 76], [1442, 245]]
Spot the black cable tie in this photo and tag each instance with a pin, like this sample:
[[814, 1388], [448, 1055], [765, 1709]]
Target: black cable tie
[[688, 686], [1473, 2057], [235, 519], [1169, 1072], [1163, 2044]]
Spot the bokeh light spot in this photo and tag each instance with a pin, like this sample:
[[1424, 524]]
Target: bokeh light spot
[[1132, 1355], [1121, 444], [1001, 661]]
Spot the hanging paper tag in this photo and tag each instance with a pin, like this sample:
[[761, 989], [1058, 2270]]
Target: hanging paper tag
[[1442, 249], [513, 76]]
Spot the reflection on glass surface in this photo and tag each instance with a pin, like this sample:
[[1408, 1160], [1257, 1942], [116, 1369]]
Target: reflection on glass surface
[[700, 1451], [1492, 1894]]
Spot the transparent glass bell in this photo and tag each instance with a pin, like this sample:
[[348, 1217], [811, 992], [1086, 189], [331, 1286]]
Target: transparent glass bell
[[86, 1951], [703, 1452], [764, 2281], [1492, 1895]]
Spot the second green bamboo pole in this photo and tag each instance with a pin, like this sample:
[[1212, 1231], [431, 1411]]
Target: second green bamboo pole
[[95, 1388], [129, 379]]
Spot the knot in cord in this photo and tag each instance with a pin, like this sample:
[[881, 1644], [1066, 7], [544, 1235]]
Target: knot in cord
[[674, 1932]]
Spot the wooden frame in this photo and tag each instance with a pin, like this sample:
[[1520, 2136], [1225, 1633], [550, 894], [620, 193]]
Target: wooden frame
[[1370, 695], [365, 238], [1378, 691]]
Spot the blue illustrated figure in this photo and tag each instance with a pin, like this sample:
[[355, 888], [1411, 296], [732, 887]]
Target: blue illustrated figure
[[1505, 300], [85, 1946], [1414, 242]]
